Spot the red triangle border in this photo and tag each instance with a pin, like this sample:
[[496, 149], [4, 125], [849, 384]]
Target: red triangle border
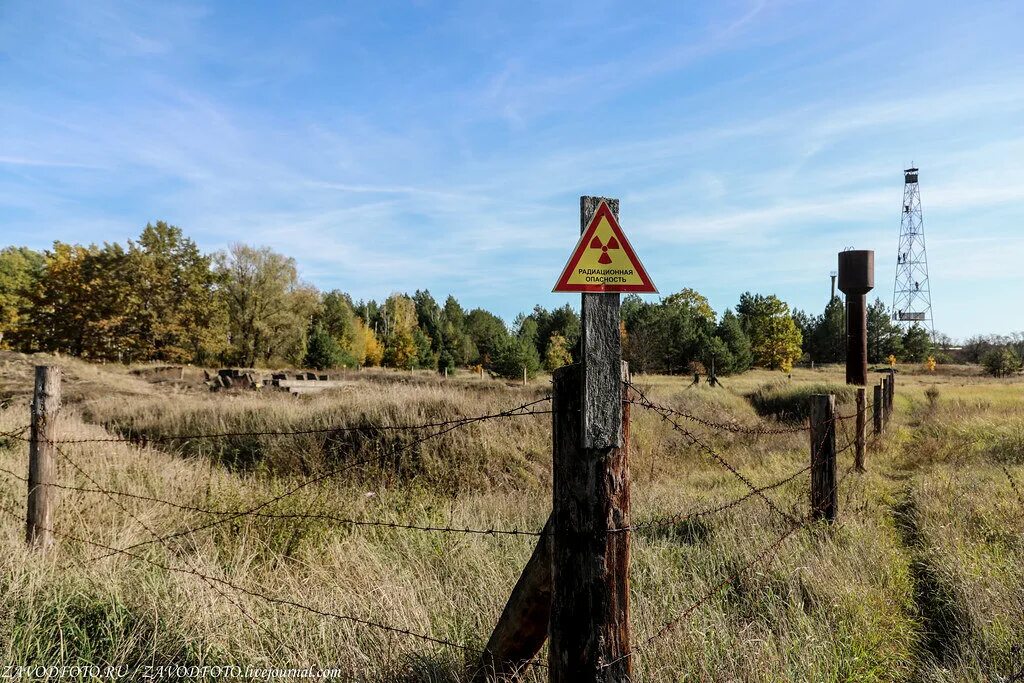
[[562, 285]]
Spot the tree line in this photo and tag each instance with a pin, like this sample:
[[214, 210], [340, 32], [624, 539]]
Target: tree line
[[160, 298], [824, 336]]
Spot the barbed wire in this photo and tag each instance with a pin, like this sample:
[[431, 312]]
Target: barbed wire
[[684, 516], [253, 593], [767, 554], [144, 440], [512, 412], [723, 426], [1013, 482], [16, 434], [646, 403], [167, 548]]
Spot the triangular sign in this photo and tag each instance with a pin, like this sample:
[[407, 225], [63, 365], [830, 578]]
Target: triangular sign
[[603, 260]]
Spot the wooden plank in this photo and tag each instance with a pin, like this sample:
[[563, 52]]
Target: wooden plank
[[522, 627], [590, 565], [601, 352], [42, 464], [824, 497]]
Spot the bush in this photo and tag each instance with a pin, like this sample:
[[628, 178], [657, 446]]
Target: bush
[[513, 355], [789, 402], [1001, 362]]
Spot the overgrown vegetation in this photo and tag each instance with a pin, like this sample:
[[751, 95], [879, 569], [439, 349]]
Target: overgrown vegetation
[[929, 535], [791, 402]]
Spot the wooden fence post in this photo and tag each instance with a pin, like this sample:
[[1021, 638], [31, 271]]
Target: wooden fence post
[[885, 402], [589, 629], [876, 409], [42, 467], [824, 498], [890, 399], [861, 429]]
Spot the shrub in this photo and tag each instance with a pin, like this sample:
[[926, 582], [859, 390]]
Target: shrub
[[513, 355], [1001, 362], [790, 402]]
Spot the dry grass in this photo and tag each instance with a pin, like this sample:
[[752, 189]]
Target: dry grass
[[921, 581]]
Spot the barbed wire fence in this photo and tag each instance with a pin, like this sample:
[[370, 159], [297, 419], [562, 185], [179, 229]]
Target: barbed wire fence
[[823, 439]]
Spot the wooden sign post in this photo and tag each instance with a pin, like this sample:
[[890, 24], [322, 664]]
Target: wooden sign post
[[589, 630], [577, 580]]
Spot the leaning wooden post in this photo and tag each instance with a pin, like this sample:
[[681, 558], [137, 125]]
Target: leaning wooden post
[[42, 467], [824, 498], [861, 429], [589, 628], [876, 409], [523, 624]]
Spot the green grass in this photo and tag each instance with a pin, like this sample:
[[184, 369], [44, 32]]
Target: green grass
[[921, 580]]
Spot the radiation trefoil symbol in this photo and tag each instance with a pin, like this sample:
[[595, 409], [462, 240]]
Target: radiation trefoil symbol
[[593, 268], [596, 244]]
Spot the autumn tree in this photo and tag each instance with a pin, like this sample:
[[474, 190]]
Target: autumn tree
[[775, 340], [174, 314], [557, 353], [269, 309], [399, 316], [20, 270]]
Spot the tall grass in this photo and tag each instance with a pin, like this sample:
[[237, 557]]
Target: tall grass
[[841, 604]]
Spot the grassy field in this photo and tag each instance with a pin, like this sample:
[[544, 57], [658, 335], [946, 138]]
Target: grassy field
[[922, 579]]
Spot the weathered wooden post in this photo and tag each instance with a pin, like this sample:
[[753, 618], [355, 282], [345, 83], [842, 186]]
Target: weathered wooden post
[[42, 466], [590, 630], [523, 625], [824, 497], [861, 429], [891, 397], [577, 581], [885, 402], [876, 409]]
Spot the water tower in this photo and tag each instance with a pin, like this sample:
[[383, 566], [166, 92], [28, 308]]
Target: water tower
[[856, 279]]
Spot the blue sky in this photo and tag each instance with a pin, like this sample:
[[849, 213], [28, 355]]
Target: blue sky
[[390, 146]]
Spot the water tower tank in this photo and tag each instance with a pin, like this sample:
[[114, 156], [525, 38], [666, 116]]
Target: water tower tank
[[857, 271]]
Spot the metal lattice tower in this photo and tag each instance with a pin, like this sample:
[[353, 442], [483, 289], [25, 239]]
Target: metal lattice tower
[[911, 298]]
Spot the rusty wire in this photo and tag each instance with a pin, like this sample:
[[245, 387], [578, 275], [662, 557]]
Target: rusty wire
[[256, 594], [512, 412], [767, 554], [684, 516], [646, 403], [143, 440], [721, 426]]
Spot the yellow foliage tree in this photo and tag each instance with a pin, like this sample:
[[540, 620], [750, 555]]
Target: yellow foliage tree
[[364, 346]]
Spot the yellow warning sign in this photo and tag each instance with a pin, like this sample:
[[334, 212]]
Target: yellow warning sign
[[603, 260]]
